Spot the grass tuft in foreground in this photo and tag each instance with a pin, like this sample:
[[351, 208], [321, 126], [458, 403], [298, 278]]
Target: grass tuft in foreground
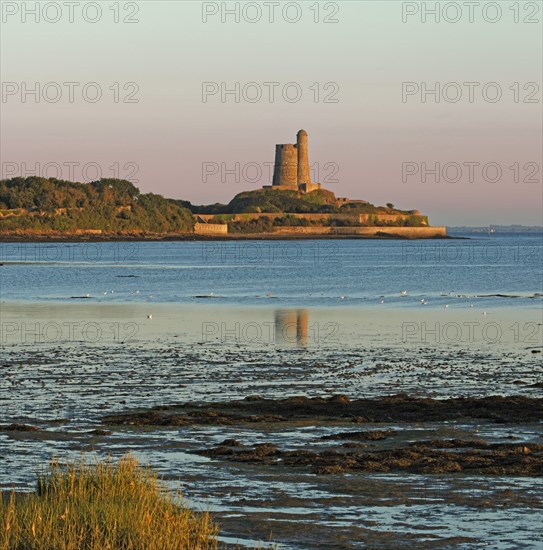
[[101, 506]]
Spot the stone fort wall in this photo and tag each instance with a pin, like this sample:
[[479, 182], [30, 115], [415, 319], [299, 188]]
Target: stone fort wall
[[210, 228], [404, 232], [361, 218]]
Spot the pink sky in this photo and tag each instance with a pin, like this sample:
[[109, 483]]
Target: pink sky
[[166, 138]]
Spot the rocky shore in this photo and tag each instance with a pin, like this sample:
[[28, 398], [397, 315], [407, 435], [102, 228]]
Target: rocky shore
[[459, 449], [395, 408]]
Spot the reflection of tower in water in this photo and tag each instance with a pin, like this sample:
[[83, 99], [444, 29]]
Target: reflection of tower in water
[[291, 326]]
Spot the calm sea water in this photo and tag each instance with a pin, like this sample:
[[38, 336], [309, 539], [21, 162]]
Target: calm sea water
[[304, 273], [64, 385]]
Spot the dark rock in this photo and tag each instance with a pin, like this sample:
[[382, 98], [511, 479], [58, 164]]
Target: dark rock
[[19, 428]]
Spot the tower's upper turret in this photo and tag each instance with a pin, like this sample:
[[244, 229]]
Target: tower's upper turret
[[304, 176]]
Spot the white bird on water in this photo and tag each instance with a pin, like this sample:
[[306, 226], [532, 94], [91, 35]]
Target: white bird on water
[[403, 293]]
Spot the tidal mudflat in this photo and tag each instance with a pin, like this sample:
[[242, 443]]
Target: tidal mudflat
[[340, 431]]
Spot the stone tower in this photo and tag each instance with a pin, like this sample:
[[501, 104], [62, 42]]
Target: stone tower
[[304, 176], [291, 168], [285, 170]]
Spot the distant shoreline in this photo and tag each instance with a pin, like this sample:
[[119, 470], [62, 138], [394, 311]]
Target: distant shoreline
[[11, 238]]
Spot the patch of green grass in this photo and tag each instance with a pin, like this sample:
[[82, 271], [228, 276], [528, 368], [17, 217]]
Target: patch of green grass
[[102, 506]]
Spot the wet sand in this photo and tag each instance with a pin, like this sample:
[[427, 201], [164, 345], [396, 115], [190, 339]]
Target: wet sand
[[425, 444]]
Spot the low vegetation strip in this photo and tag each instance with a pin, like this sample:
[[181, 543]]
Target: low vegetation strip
[[107, 206], [112, 207], [101, 506]]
